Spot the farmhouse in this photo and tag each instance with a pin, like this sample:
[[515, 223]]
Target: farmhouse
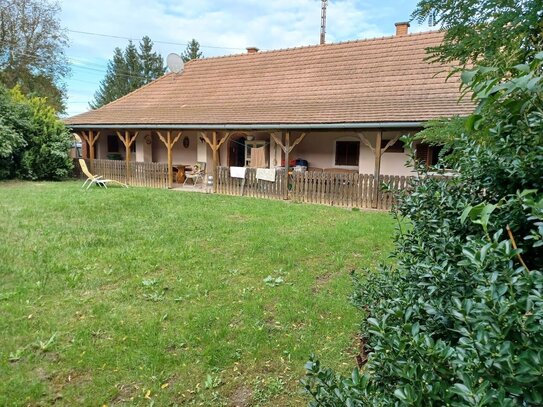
[[334, 107]]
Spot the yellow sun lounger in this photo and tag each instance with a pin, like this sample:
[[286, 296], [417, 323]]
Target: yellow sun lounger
[[96, 179]]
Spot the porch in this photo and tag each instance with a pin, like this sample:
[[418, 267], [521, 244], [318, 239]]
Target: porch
[[333, 168]]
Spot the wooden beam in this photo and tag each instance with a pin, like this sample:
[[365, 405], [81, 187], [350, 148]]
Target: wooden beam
[[284, 147], [215, 145], [169, 143], [298, 140], [287, 149], [377, 170], [390, 143], [215, 161], [278, 142], [206, 139], [366, 142], [287, 156], [127, 140], [90, 139], [170, 159]]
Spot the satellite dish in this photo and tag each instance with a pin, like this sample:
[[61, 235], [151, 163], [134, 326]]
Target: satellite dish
[[174, 62]]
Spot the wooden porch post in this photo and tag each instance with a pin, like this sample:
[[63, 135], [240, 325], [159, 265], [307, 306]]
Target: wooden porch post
[[169, 143], [90, 138], [215, 161], [287, 149], [127, 140], [378, 153], [377, 170], [287, 157], [215, 146]]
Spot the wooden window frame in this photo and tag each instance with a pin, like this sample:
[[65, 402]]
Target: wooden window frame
[[355, 154]]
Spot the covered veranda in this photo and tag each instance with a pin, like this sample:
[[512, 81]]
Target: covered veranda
[[217, 153]]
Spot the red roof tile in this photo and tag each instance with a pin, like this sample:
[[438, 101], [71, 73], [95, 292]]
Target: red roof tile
[[366, 81]]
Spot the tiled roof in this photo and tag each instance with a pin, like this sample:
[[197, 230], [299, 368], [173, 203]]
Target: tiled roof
[[366, 81]]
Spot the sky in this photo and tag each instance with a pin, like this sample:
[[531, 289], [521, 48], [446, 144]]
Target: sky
[[222, 27]]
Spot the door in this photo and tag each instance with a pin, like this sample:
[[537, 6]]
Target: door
[[236, 152]]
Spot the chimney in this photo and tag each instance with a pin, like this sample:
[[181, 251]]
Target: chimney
[[252, 50], [402, 28]]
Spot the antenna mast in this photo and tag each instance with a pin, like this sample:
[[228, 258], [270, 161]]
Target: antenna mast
[[324, 3]]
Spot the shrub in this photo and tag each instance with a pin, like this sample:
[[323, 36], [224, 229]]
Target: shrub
[[459, 319], [34, 143]]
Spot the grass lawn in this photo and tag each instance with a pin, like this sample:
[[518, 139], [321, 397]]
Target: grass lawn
[[146, 296]]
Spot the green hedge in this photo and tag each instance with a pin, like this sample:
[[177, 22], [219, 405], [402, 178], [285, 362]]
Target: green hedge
[[459, 319]]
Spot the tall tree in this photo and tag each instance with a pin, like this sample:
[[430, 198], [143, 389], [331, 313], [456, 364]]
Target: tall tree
[[32, 46], [192, 51], [152, 62], [493, 32], [128, 70]]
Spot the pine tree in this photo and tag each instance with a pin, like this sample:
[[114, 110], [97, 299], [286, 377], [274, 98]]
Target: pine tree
[[129, 70], [133, 76], [152, 62], [192, 51]]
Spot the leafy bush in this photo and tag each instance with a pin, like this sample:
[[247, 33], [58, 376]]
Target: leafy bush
[[13, 122], [34, 143], [459, 319]]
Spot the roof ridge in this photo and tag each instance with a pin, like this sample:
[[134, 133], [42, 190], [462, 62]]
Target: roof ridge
[[327, 45]]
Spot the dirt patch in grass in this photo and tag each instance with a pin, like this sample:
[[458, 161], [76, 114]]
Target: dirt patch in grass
[[322, 280], [125, 393], [241, 397]]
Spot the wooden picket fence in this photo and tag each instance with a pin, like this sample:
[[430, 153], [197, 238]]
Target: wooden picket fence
[[336, 189], [250, 186], [348, 190], [141, 174]]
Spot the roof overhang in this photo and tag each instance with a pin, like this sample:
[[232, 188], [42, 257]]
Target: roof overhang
[[263, 126]]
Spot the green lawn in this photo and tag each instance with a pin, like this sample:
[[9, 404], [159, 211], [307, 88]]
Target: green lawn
[[138, 296]]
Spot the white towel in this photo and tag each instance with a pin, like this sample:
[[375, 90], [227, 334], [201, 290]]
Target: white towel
[[237, 172], [265, 174]]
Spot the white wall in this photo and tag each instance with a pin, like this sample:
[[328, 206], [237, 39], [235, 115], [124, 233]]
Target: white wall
[[180, 154], [318, 148], [144, 148]]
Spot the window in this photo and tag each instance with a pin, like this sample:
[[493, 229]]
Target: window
[[397, 147], [427, 154], [347, 152], [112, 144]]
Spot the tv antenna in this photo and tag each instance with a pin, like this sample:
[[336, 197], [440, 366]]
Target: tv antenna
[[324, 3], [174, 62]]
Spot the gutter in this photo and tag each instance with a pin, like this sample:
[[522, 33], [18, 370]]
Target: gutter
[[301, 126]]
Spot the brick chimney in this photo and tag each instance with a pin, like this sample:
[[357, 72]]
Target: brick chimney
[[252, 50], [402, 28]]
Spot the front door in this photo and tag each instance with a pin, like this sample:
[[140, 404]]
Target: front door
[[236, 152]]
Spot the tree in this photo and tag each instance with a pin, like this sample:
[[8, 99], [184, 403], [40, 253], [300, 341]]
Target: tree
[[129, 70], [14, 120], [192, 51], [32, 46], [491, 33], [152, 62], [34, 143]]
